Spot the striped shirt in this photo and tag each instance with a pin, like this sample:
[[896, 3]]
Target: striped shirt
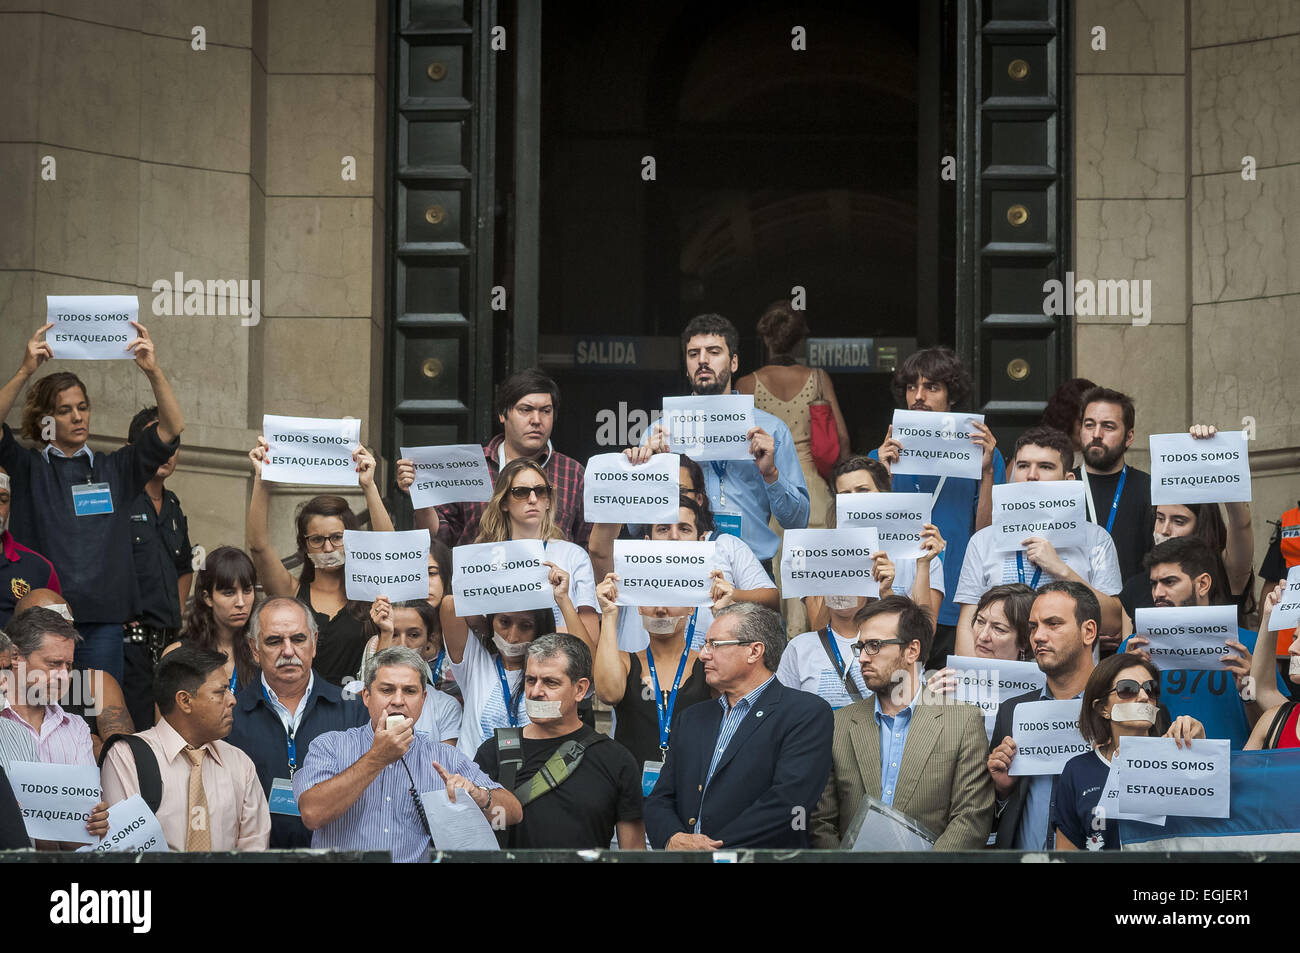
[[63, 738], [732, 716], [384, 816], [16, 744]]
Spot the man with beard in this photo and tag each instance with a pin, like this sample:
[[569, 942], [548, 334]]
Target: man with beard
[[1063, 625], [903, 745], [1182, 573], [740, 493], [1119, 495]]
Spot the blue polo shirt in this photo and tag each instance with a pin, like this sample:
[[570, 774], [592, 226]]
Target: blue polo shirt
[[259, 733], [954, 514]]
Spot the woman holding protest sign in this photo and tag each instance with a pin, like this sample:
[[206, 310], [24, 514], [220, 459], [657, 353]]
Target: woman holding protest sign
[[320, 523], [1120, 700], [1279, 725]]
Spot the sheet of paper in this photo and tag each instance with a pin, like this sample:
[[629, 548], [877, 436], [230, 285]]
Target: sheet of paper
[[937, 444], [56, 799], [1046, 735], [395, 565], [663, 572], [132, 828], [987, 683], [1157, 776], [458, 826], [312, 450], [828, 562], [1286, 614], [1186, 470], [500, 577], [709, 428], [452, 474], [1189, 637], [897, 517], [1053, 510], [616, 491], [1109, 803], [91, 327]]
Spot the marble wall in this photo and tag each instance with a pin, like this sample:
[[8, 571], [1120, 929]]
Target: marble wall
[[1165, 117], [220, 163]]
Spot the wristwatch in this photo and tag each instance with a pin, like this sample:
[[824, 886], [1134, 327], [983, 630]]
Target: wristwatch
[[488, 806]]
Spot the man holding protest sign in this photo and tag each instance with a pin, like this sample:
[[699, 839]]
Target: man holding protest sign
[[934, 381], [1042, 455], [72, 504], [743, 497]]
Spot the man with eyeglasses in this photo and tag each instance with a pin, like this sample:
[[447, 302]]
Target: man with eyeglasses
[[903, 745], [1063, 626], [747, 771], [279, 715], [526, 405]]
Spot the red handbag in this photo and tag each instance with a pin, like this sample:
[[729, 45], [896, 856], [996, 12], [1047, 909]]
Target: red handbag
[[825, 439]]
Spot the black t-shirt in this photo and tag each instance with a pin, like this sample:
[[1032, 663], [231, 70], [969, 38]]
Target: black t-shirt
[[1134, 518], [637, 720], [340, 643], [1273, 568], [581, 813]]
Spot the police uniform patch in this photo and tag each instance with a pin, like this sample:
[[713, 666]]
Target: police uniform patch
[[19, 587]]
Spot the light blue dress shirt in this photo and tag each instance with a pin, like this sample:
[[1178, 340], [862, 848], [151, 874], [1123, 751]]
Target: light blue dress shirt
[[893, 739]]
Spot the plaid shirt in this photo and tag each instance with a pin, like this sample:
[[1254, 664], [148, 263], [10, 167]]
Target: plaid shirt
[[459, 521]]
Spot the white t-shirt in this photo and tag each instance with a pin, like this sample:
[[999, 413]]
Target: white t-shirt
[[480, 686], [441, 716], [582, 581], [805, 665], [905, 575], [984, 568]]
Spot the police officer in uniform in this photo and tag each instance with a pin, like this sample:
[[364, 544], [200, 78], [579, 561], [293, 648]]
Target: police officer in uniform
[[160, 544]]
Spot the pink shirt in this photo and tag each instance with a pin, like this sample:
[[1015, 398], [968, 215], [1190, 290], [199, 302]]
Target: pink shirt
[[237, 811], [63, 738]]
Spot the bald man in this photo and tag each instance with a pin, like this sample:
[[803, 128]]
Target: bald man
[[94, 695]]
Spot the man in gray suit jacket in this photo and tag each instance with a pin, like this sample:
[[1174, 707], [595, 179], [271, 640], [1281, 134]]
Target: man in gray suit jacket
[[904, 746]]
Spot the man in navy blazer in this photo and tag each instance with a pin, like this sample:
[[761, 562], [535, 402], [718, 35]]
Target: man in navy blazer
[[748, 769]]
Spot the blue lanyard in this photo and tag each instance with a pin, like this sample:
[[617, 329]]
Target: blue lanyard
[[512, 704], [720, 468], [437, 664], [291, 749], [662, 709], [234, 678], [1020, 571], [1114, 504]]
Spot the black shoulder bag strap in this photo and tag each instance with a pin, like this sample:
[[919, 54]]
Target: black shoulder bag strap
[[146, 768], [559, 767], [850, 686], [1279, 722], [510, 756]]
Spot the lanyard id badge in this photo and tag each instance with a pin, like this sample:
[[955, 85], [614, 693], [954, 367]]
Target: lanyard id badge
[[92, 499], [282, 800], [728, 523], [650, 772]]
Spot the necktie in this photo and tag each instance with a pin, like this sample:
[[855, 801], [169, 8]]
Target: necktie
[[197, 835]]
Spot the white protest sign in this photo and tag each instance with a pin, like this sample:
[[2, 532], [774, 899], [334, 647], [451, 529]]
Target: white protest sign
[[987, 682], [1054, 510], [1186, 636], [663, 572], [1286, 614], [500, 577], [311, 450], [1186, 470], [1109, 802], [616, 491], [453, 474], [56, 799], [91, 327], [829, 562], [709, 428], [897, 517], [1046, 735], [937, 444], [132, 827], [1158, 777], [395, 565]]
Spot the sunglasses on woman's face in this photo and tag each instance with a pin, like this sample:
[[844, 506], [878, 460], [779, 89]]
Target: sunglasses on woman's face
[[1127, 689], [521, 493]]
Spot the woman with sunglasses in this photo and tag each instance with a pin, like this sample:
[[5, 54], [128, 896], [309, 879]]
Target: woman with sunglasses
[[1121, 699], [320, 523]]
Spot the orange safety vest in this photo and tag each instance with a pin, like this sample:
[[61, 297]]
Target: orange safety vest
[[1291, 556]]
